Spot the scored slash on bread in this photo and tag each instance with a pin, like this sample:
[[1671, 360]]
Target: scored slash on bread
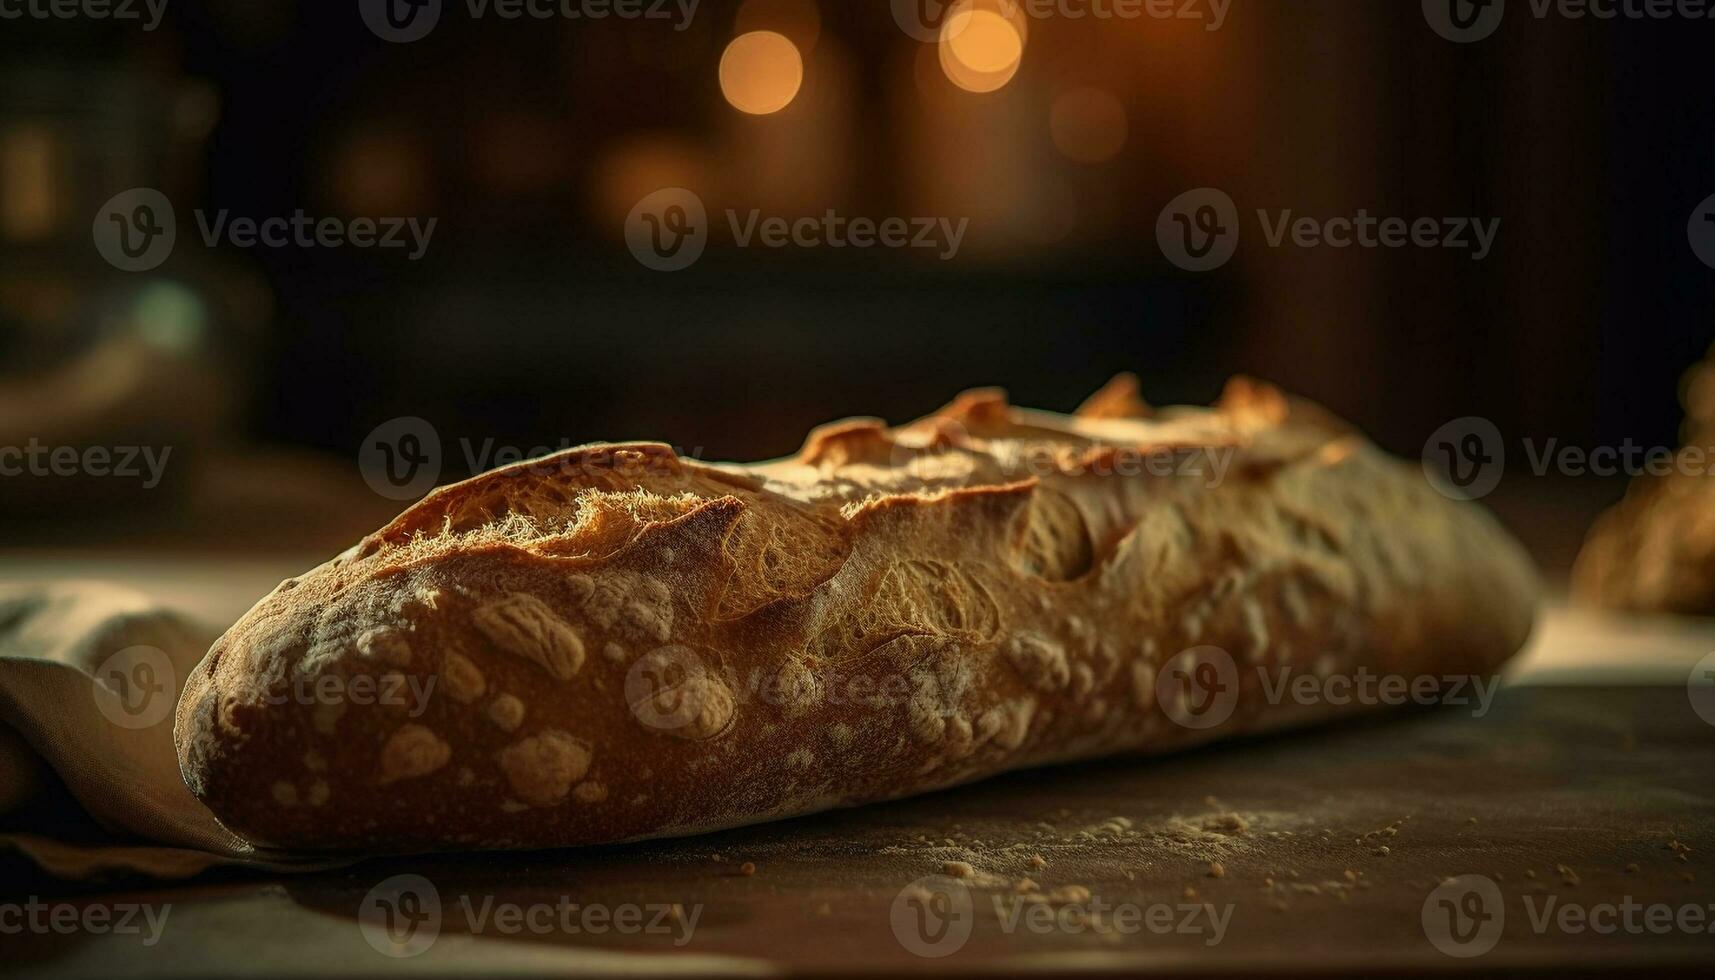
[[612, 642]]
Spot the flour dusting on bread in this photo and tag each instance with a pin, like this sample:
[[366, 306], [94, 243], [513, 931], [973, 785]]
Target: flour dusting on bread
[[613, 642]]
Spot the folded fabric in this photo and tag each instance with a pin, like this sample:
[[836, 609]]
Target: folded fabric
[[89, 676]]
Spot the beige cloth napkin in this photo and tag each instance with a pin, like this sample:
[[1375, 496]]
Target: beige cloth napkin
[[89, 676]]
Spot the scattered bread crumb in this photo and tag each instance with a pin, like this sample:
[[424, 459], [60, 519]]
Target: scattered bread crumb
[[1070, 894], [1217, 869], [1190, 893], [1227, 823], [1038, 862], [958, 869], [747, 869], [1383, 851]]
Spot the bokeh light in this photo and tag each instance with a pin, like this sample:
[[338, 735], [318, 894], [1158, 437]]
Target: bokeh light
[[1088, 124], [980, 48], [383, 169], [30, 168], [640, 164], [761, 72]]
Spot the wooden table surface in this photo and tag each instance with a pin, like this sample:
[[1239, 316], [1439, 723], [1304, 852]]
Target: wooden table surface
[[1330, 845]]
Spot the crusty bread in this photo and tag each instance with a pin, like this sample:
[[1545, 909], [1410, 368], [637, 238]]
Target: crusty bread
[[626, 644], [1654, 551]]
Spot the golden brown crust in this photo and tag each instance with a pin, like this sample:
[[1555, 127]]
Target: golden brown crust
[[613, 643]]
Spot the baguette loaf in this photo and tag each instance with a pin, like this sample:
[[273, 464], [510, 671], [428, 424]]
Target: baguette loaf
[[614, 643]]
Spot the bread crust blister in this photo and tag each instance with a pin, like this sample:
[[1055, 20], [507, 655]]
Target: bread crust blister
[[613, 643]]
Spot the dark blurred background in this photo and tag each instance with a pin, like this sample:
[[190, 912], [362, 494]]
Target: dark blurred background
[[528, 322]]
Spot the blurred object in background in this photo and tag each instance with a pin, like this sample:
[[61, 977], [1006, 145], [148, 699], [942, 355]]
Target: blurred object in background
[[1054, 142], [1655, 550], [123, 395], [93, 358]]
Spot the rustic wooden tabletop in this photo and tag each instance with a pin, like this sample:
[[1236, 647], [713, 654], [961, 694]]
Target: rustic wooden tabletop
[[1563, 828]]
